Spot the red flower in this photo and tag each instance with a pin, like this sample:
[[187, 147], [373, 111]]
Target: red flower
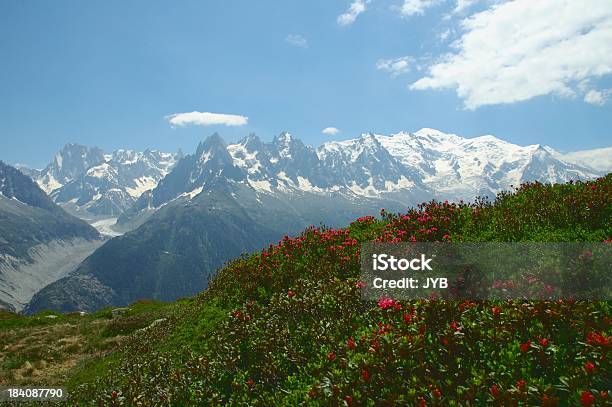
[[437, 393], [544, 342], [595, 338], [331, 356], [444, 341], [454, 326], [494, 391], [525, 346], [603, 394], [290, 294], [589, 367], [386, 302], [495, 310], [360, 284], [407, 318], [587, 398], [422, 402], [349, 400], [521, 384], [365, 375], [114, 394], [250, 382], [351, 344]]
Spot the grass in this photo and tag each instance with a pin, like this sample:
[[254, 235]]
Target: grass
[[39, 349]]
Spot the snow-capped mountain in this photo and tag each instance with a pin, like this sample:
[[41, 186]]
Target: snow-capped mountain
[[92, 185], [463, 168], [404, 168], [72, 161]]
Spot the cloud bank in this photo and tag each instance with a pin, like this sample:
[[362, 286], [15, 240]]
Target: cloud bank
[[517, 50]]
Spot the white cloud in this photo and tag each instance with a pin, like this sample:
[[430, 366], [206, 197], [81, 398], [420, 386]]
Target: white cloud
[[463, 5], [297, 40], [395, 66], [443, 36], [206, 119], [521, 49], [357, 7], [412, 7], [597, 97], [330, 131]]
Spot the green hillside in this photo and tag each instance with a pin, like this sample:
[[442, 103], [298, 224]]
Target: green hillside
[[288, 325]]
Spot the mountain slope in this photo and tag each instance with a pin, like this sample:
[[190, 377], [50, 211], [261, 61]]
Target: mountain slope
[[170, 256], [290, 326], [39, 242]]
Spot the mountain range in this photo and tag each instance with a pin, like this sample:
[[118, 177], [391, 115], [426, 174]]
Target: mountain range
[[404, 167], [225, 200]]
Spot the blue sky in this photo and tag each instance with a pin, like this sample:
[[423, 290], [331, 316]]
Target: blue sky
[[112, 73]]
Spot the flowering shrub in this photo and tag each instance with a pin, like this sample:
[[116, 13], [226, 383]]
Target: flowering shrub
[[296, 329]]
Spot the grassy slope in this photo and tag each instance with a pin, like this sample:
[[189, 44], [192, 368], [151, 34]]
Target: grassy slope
[[288, 325], [51, 348]]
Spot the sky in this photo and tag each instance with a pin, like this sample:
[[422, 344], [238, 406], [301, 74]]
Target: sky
[[165, 74]]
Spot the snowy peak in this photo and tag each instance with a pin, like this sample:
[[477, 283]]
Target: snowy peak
[[251, 143], [213, 151], [71, 161], [91, 184]]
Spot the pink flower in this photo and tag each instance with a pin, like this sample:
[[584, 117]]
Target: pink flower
[[290, 294]]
